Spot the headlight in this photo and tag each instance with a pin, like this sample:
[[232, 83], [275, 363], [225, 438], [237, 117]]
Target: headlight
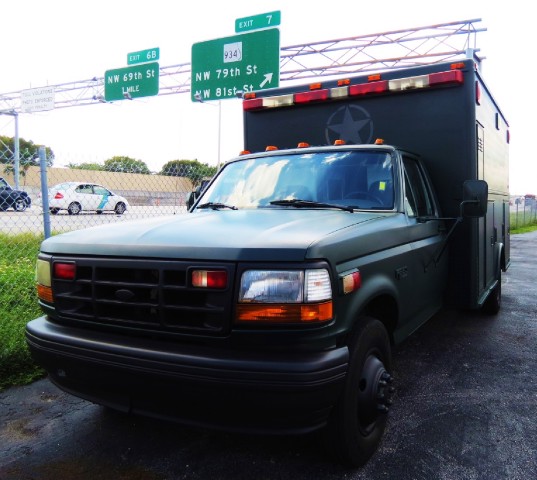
[[43, 280], [285, 296], [42, 273], [276, 286], [285, 286]]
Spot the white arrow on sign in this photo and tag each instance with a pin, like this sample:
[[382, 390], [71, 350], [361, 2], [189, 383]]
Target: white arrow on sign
[[268, 79]]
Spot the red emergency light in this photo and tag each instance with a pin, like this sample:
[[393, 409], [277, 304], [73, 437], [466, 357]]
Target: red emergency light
[[373, 86]]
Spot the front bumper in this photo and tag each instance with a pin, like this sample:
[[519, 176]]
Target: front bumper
[[195, 385]]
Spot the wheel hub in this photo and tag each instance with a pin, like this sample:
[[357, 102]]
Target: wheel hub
[[375, 392]]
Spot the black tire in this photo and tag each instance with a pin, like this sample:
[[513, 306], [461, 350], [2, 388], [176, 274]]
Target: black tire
[[99, 212], [358, 420], [120, 208], [74, 208], [19, 205], [493, 303], [54, 211]]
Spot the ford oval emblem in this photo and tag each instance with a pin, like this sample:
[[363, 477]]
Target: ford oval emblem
[[124, 295]]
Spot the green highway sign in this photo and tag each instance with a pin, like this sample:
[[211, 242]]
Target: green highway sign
[[255, 22], [131, 82], [224, 67], [143, 56]]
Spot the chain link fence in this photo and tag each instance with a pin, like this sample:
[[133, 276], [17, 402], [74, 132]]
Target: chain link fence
[[524, 211], [77, 198]]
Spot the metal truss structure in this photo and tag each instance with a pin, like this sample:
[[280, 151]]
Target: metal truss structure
[[345, 56]]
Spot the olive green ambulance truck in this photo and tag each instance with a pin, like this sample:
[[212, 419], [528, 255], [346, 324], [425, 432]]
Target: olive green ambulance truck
[[359, 208]]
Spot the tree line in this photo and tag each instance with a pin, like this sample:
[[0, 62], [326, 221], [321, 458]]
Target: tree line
[[29, 156]]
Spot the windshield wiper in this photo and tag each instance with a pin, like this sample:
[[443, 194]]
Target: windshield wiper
[[216, 206], [296, 202]]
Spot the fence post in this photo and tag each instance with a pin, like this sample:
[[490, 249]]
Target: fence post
[[44, 191], [16, 162]]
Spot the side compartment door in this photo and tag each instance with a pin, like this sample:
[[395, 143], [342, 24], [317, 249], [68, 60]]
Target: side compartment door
[[488, 229]]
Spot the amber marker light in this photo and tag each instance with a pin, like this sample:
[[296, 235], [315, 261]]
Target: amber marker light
[[285, 313], [45, 293], [351, 282]]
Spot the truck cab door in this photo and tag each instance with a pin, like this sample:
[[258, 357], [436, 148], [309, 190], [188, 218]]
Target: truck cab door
[[426, 239]]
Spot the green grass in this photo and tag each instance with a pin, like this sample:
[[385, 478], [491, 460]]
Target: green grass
[[18, 305], [523, 223]]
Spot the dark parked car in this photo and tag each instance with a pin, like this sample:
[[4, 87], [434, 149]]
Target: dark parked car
[[18, 200]]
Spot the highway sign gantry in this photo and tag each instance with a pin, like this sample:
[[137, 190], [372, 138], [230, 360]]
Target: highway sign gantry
[[131, 82], [224, 67]]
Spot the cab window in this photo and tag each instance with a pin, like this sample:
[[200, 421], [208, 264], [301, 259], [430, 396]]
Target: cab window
[[418, 199]]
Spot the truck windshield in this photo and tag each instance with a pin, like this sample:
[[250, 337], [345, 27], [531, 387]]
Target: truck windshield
[[357, 179]]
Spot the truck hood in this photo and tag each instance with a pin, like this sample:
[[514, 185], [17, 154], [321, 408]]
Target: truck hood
[[247, 235]]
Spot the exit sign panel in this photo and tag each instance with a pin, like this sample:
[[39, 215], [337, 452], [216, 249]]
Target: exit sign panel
[[224, 67], [264, 20], [131, 82]]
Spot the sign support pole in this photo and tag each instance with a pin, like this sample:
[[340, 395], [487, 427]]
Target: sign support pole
[[16, 159]]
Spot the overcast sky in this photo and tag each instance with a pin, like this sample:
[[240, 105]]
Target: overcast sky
[[53, 42]]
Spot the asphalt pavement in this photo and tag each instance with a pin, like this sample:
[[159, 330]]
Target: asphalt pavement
[[465, 408]]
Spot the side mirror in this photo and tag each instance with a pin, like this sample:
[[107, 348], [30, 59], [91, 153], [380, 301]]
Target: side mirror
[[474, 199]]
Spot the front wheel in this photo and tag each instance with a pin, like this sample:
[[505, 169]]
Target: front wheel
[[357, 423], [120, 208], [20, 205]]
